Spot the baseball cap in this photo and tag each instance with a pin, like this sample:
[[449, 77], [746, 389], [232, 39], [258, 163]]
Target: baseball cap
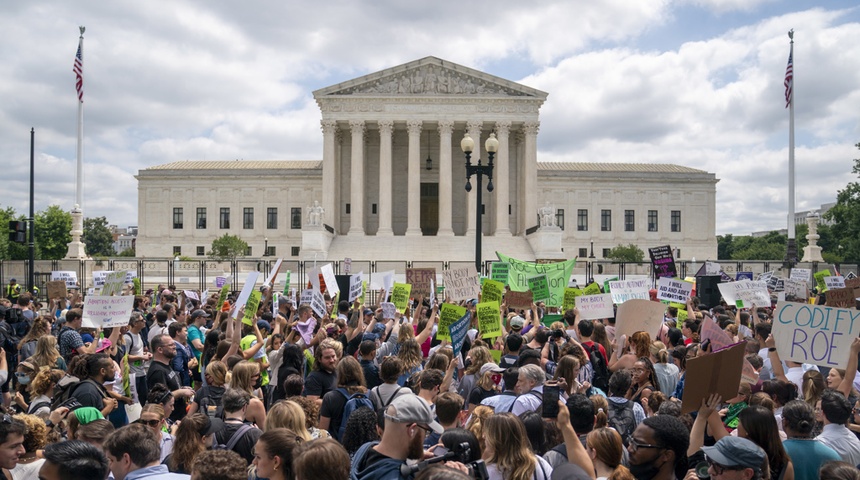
[[368, 312], [264, 325], [491, 367], [410, 408], [212, 425], [736, 452], [518, 322], [199, 313]]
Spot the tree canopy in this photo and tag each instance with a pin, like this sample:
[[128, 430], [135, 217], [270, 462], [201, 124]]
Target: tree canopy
[[98, 237], [628, 253], [846, 217], [227, 247]]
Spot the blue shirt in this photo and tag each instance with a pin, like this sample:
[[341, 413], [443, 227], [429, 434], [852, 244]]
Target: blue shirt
[[157, 472], [179, 364]]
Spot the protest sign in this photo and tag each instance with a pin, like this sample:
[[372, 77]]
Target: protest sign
[[624, 290], [99, 278], [549, 318], [815, 334], [796, 290], [819, 280], [718, 373], [347, 265], [682, 317], [519, 300], [747, 292], [102, 311], [191, 295], [462, 283], [850, 275], [330, 280], [840, 297], [744, 276], [448, 314], [355, 286], [56, 289], [70, 277], [220, 281], [639, 315], [497, 355], [834, 282], [748, 373], [400, 296], [389, 310], [539, 285], [489, 320], [270, 280], [674, 290], [251, 307], [499, 272], [802, 274], [712, 268], [595, 307], [570, 295], [663, 261], [113, 282], [286, 282], [222, 295], [247, 288], [458, 330], [492, 291], [557, 274], [318, 303], [591, 289], [420, 279], [852, 282], [606, 287], [711, 331]]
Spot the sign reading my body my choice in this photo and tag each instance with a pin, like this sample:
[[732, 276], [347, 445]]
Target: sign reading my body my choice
[[815, 334]]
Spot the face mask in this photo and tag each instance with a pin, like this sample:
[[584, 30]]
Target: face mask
[[23, 379], [259, 382]]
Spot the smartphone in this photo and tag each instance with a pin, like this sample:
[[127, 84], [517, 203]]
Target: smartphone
[[550, 400]]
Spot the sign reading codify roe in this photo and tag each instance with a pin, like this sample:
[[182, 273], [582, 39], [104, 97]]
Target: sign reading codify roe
[[815, 334]]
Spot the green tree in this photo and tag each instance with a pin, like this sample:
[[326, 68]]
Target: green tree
[[630, 253], [97, 237], [725, 245], [227, 247], [128, 252], [52, 233], [10, 250], [846, 217]]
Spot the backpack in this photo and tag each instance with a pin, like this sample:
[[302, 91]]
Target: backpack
[[622, 419], [210, 403], [234, 439], [537, 394], [354, 401], [600, 371], [375, 391]]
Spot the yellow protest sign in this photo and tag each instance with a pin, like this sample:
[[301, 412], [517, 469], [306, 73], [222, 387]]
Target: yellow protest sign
[[492, 291], [592, 289], [448, 314], [400, 296], [251, 307], [570, 295], [489, 320]]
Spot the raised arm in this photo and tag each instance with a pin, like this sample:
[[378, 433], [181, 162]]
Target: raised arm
[[847, 383], [775, 362]]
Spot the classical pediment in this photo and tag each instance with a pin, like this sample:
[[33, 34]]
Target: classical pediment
[[430, 76]]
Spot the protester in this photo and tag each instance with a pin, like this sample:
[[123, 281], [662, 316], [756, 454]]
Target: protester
[[219, 465], [507, 453], [134, 451], [238, 433], [806, 453], [160, 371], [73, 460], [273, 454], [322, 459], [289, 414], [195, 435]]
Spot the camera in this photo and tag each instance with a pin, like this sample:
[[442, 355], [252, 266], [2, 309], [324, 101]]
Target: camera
[[461, 453], [702, 471]]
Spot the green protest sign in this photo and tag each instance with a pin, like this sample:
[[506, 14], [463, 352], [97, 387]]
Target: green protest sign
[[570, 295], [819, 280], [539, 286], [497, 355], [489, 320], [287, 284], [492, 291], [591, 289], [136, 282], [682, 317], [448, 314], [606, 284], [499, 272], [551, 318], [222, 296], [557, 274], [251, 307], [400, 296]]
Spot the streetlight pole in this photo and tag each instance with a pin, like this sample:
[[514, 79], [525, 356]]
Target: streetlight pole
[[492, 146]]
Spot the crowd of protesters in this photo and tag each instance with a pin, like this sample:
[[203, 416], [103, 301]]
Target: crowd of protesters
[[195, 388]]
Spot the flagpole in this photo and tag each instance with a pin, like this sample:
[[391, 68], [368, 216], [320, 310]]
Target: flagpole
[[791, 249], [77, 249]]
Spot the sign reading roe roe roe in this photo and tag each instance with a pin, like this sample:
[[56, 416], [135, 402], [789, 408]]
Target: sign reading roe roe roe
[[815, 334]]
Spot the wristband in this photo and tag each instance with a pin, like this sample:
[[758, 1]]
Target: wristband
[[771, 349]]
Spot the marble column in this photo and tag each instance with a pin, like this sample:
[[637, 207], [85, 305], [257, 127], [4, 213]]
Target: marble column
[[445, 185], [413, 184], [356, 185], [385, 186], [473, 127], [501, 179], [530, 174], [329, 191]]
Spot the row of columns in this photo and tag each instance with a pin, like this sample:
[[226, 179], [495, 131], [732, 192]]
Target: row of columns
[[526, 175]]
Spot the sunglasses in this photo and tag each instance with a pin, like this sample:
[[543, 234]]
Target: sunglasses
[[422, 427], [150, 423], [720, 469], [634, 445]]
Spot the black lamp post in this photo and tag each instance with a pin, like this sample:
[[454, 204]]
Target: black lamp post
[[266, 247], [492, 146]]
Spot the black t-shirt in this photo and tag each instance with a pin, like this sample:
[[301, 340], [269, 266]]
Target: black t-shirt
[[478, 395], [332, 407], [89, 394], [245, 446], [162, 373], [318, 383]]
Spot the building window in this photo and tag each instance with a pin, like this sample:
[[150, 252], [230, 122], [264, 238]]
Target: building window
[[677, 253], [248, 251], [606, 252], [652, 220], [373, 208], [272, 218], [583, 252], [348, 209], [483, 208], [225, 217], [559, 218], [248, 218], [201, 251], [676, 220], [582, 220], [296, 218], [629, 220], [606, 220], [177, 250], [294, 251], [177, 218], [270, 251], [201, 218]]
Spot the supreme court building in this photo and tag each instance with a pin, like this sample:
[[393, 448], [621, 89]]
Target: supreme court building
[[390, 185]]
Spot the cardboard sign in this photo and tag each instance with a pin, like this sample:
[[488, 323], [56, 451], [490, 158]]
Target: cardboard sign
[[595, 307], [624, 290], [448, 314], [712, 268], [557, 274], [492, 291], [819, 280], [220, 281], [251, 307], [462, 283], [56, 289], [570, 295], [458, 330], [592, 289], [489, 320], [519, 300], [744, 276], [802, 274], [499, 271], [663, 262], [815, 334], [270, 280], [355, 286], [68, 276], [420, 279], [853, 282], [639, 315], [250, 283], [747, 292], [222, 295], [840, 297], [718, 373], [400, 296], [103, 311], [834, 282], [389, 310], [539, 285], [748, 373], [674, 290]]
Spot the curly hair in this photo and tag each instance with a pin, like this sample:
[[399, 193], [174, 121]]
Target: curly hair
[[37, 433], [410, 354], [476, 422], [44, 381], [311, 409], [479, 356], [641, 344], [360, 429]]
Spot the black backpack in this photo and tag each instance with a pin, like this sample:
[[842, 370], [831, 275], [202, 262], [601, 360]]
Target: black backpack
[[210, 402], [622, 419], [600, 370]]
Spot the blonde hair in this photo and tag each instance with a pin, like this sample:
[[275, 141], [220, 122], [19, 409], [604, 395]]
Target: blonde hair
[[410, 354], [155, 408], [479, 356], [47, 352], [288, 414], [512, 454], [217, 371], [601, 406], [243, 374], [476, 422], [659, 351]]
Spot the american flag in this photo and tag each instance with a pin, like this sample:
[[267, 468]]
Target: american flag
[[789, 78], [79, 70]]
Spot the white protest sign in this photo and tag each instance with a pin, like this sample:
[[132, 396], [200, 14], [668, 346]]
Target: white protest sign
[[624, 290], [347, 265], [388, 310], [797, 289], [639, 315], [130, 275], [113, 283], [834, 282], [815, 334], [307, 297], [330, 280], [318, 303], [432, 294], [746, 291], [274, 272], [250, 282], [712, 268], [314, 278], [462, 283], [355, 286], [764, 277], [673, 290], [595, 307], [104, 311], [68, 276], [191, 295], [802, 274], [99, 278]]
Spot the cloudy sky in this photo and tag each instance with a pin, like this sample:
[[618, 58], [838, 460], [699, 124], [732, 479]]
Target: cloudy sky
[[691, 82]]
